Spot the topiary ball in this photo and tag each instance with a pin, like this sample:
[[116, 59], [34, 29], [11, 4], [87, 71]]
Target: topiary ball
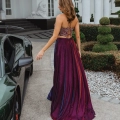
[[104, 30], [103, 48], [82, 37], [104, 39], [104, 21]]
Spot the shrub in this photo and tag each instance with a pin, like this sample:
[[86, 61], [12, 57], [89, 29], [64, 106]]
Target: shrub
[[96, 61], [109, 60], [104, 21], [104, 30], [104, 39], [118, 12], [77, 11], [82, 37], [115, 21], [91, 31], [115, 32], [103, 48]]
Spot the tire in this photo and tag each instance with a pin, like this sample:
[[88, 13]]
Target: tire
[[31, 69], [16, 108]]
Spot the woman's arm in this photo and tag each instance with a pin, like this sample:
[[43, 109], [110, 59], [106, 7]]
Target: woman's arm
[[77, 33], [57, 28], [55, 33]]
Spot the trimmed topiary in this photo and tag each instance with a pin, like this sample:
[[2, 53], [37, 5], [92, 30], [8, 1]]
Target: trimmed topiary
[[100, 61], [104, 39], [104, 21], [96, 61], [104, 30], [103, 48]]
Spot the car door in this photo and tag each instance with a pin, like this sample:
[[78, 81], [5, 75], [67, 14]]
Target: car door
[[15, 44], [19, 72]]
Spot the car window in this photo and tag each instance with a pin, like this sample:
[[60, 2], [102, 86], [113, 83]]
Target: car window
[[9, 53], [18, 44]]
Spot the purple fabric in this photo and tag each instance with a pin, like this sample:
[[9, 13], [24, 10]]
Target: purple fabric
[[70, 94]]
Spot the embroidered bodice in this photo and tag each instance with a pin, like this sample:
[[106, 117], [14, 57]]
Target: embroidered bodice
[[66, 31]]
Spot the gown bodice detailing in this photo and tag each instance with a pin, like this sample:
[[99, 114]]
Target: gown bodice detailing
[[66, 31]]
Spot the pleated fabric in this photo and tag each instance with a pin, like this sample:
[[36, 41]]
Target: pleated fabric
[[70, 94]]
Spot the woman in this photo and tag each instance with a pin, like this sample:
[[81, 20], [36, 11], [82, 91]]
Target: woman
[[70, 93]]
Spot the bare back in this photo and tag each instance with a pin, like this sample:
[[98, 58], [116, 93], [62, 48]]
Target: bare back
[[66, 27]]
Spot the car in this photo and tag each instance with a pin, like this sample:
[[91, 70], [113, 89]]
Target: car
[[16, 65]]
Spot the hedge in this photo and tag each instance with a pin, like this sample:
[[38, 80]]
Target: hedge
[[115, 21], [109, 60], [91, 31]]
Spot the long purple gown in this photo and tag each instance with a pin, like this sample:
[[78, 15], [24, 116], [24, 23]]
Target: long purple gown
[[70, 94]]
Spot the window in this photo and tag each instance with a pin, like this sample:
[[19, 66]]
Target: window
[[76, 3], [8, 12], [50, 7], [8, 7], [49, 13], [8, 4]]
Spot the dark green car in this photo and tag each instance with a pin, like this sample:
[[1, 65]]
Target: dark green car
[[16, 65]]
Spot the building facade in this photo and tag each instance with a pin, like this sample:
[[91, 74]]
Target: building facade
[[39, 9]]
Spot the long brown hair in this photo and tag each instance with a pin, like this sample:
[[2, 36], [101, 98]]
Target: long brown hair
[[68, 9]]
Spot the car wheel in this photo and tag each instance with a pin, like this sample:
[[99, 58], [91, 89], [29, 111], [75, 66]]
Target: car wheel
[[31, 69], [16, 108]]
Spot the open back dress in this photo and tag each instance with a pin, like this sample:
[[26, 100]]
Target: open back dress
[[70, 94]]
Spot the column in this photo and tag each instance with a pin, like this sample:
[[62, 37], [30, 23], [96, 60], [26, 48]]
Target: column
[[106, 8], [86, 11], [97, 11], [0, 5], [2, 8]]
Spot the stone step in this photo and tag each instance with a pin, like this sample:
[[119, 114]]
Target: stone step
[[27, 25], [12, 31], [14, 20], [17, 22]]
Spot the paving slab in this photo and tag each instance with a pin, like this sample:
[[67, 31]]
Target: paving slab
[[116, 101], [37, 107]]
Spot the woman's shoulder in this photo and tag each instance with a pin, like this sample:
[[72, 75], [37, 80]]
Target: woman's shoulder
[[60, 15]]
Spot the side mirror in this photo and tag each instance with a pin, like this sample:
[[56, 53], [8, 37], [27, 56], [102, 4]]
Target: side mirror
[[25, 61]]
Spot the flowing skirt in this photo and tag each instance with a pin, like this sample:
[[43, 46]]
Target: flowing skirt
[[70, 94]]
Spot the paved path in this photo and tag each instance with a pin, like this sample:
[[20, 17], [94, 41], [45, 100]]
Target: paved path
[[39, 34], [37, 107]]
